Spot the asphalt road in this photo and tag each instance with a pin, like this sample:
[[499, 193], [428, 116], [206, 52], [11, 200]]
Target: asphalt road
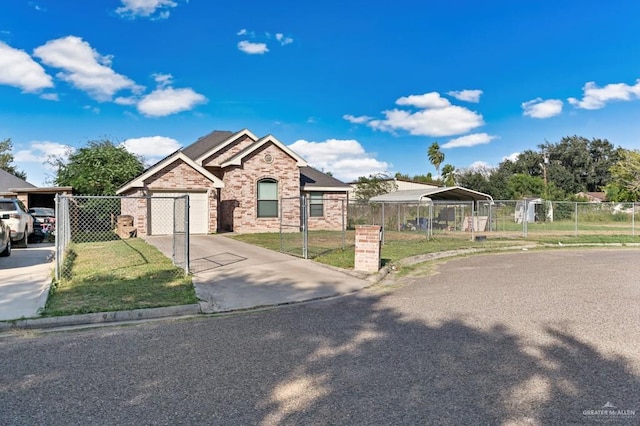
[[525, 338]]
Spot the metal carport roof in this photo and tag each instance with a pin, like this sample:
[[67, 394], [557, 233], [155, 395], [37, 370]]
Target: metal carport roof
[[453, 193]]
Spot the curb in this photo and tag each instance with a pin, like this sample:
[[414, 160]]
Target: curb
[[101, 317]]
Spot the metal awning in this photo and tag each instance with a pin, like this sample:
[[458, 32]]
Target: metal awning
[[453, 193]]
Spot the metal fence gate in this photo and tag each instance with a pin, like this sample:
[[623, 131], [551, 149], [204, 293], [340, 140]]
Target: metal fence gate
[[83, 220], [320, 226]]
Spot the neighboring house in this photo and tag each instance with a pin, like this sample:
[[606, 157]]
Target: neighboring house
[[31, 196], [400, 185], [235, 182], [593, 197]]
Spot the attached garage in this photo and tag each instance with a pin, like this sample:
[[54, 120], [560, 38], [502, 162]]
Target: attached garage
[[162, 207]]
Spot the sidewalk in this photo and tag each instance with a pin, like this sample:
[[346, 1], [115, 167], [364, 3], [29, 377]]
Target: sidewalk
[[25, 277]]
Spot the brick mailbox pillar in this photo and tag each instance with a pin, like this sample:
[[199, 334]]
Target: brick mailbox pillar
[[367, 248]]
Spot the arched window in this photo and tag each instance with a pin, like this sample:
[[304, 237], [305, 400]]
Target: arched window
[[267, 198]]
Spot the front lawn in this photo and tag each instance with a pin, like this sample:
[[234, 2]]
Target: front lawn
[[117, 275]]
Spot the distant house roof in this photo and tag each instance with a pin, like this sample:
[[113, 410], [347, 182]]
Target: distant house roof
[[314, 180], [453, 193], [593, 196], [206, 143], [9, 182]]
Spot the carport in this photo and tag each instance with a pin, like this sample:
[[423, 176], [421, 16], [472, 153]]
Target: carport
[[31, 196], [426, 201]]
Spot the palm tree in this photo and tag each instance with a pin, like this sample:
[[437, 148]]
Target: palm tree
[[448, 174], [436, 157]]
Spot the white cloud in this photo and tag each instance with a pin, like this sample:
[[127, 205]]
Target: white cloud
[[242, 32], [39, 152], [469, 140], [346, 159], [428, 100], [84, 67], [152, 148], [452, 120], [538, 108], [283, 40], [252, 48], [146, 8], [481, 167], [163, 80], [50, 97], [511, 157], [167, 100], [466, 95], [356, 120], [130, 100], [595, 97], [18, 69]]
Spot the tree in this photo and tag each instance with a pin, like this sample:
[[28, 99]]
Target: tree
[[578, 164], [375, 184], [99, 168], [436, 157], [448, 174], [522, 185], [6, 158], [625, 177]]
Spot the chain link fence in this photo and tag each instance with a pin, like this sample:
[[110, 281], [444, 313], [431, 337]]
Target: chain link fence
[[502, 218], [83, 221], [321, 226]]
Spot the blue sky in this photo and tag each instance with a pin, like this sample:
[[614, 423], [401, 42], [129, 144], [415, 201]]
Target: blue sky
[[354, 87]]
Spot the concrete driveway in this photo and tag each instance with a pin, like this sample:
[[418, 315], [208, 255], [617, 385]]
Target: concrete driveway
[[230, 274], [25, 277]]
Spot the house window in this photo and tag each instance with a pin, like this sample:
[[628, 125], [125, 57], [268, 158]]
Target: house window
[[267, 198], [316, 204]]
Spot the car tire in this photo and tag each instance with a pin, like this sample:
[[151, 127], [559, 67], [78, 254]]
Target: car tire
[[22, 242], [7, 250]]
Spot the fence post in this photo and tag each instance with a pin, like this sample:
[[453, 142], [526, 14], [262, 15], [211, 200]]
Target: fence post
[[57, 238], [344, 229], [575, 234], [525, 218], [382, 239], [305, 228], [633, 219], [186, 235]]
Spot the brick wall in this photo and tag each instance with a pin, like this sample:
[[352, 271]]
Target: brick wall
[[333, 211], [367, 248], [238, 198], [136, 207], [227, 152]]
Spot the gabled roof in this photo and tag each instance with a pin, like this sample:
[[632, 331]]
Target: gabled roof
[[206, 143], [452, 193], [221, 144], [236, 160], [138, 182], [9, 181], [314, 180]]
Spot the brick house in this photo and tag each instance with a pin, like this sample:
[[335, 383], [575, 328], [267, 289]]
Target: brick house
[[235, 182]]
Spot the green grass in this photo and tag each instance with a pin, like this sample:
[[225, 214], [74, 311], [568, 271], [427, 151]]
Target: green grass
[[117, 275], [326, 247]]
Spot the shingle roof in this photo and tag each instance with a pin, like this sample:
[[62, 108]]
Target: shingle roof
[[7, 181], [205, 143], [310, 177]]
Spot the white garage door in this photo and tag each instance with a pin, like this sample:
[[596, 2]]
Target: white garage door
[[162, 212]]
